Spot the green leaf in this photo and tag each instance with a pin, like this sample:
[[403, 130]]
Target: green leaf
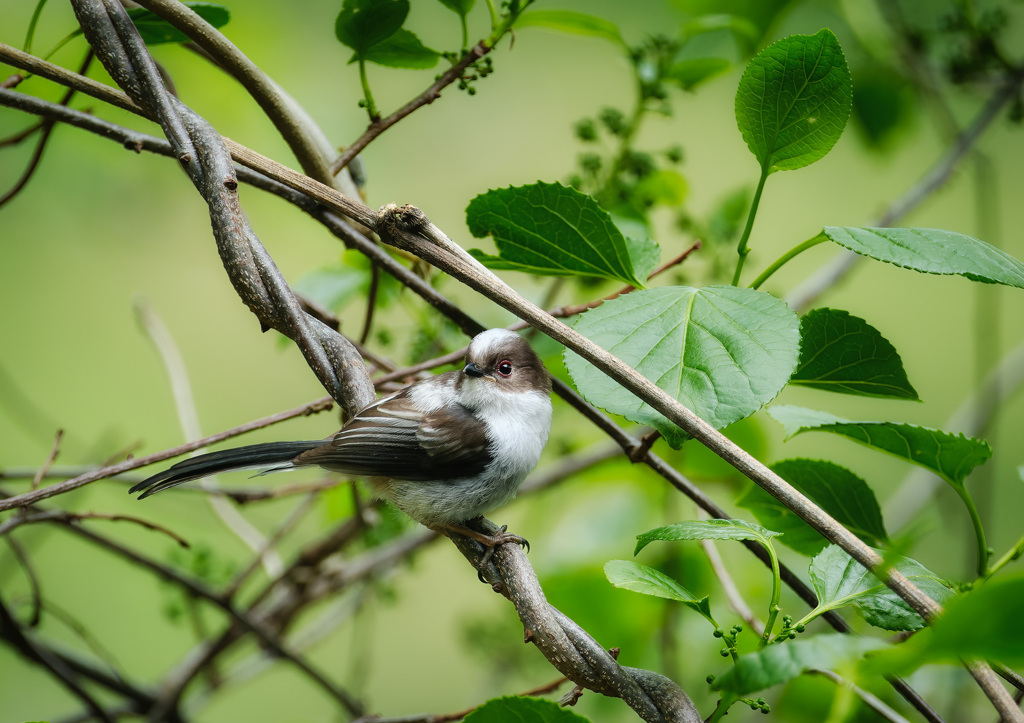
[[837, 490], [986, 623], [778, 663], [842, 353], [402, 50], [722, 351], [745, 32], [361, 24], [568, 21], [796, 534], [662, 186], [839, 580], [950, 456], [523, 709], [459, 7], [883, 103], [646, 580], [793, 101], [692, 72], [932, 251], [548, 228], [154, 30], [706, 530], [644, 254]]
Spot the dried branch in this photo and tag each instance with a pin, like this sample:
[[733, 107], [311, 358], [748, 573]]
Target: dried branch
[[65, 516]]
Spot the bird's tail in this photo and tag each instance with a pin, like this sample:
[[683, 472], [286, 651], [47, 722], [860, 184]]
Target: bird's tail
[[280, 454]]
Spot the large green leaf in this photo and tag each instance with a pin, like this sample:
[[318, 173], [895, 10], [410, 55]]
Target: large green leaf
[[793, 101], [569, 21], [779, 663], [639, 578], [402, 50], [986, 624], [706, 530], [932, 251], [842, 353], [548, 228], [154, 30], [839, 581], [722, 351], [361, 24], [951, 456], [522, 709], [837, 490]]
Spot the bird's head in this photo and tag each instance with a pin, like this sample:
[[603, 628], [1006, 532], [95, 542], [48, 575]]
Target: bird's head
[[504, 362]]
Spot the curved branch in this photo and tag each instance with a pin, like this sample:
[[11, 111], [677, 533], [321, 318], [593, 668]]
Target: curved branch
[[569, 648], [275, 103], [207, 162]]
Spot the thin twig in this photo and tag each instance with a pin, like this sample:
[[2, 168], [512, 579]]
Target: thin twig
[[29, 498], [188, 418], [870, 699], [33, 580], [54, 451], [65, 516], [428, 96]]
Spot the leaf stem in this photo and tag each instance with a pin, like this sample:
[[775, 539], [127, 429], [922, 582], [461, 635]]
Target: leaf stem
[[1012, 554], [786, 257], [371, 107], [979, 530], [742, 249], [773, 606], [724, 704], [495, 18]]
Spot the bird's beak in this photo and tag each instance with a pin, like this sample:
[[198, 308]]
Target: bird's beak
[[472, 370]]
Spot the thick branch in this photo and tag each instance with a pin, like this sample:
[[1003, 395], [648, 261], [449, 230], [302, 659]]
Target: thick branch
[[207, 162], [409, 229]]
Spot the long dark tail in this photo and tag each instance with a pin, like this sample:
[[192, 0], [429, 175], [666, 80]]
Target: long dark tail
[[255, 455]]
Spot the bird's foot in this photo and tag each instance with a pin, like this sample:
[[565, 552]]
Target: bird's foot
[[490, 541]]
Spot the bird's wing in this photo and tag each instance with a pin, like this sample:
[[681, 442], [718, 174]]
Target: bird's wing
[[395, 438]]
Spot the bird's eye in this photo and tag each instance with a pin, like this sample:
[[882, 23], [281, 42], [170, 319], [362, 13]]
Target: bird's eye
[[504, 368]]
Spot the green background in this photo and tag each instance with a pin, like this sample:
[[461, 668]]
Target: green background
[[99, 229]]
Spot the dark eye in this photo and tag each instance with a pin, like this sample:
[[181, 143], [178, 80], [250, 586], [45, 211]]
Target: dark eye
[[504, 368]]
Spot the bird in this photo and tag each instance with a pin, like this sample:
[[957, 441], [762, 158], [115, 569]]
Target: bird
[[445, 450]]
